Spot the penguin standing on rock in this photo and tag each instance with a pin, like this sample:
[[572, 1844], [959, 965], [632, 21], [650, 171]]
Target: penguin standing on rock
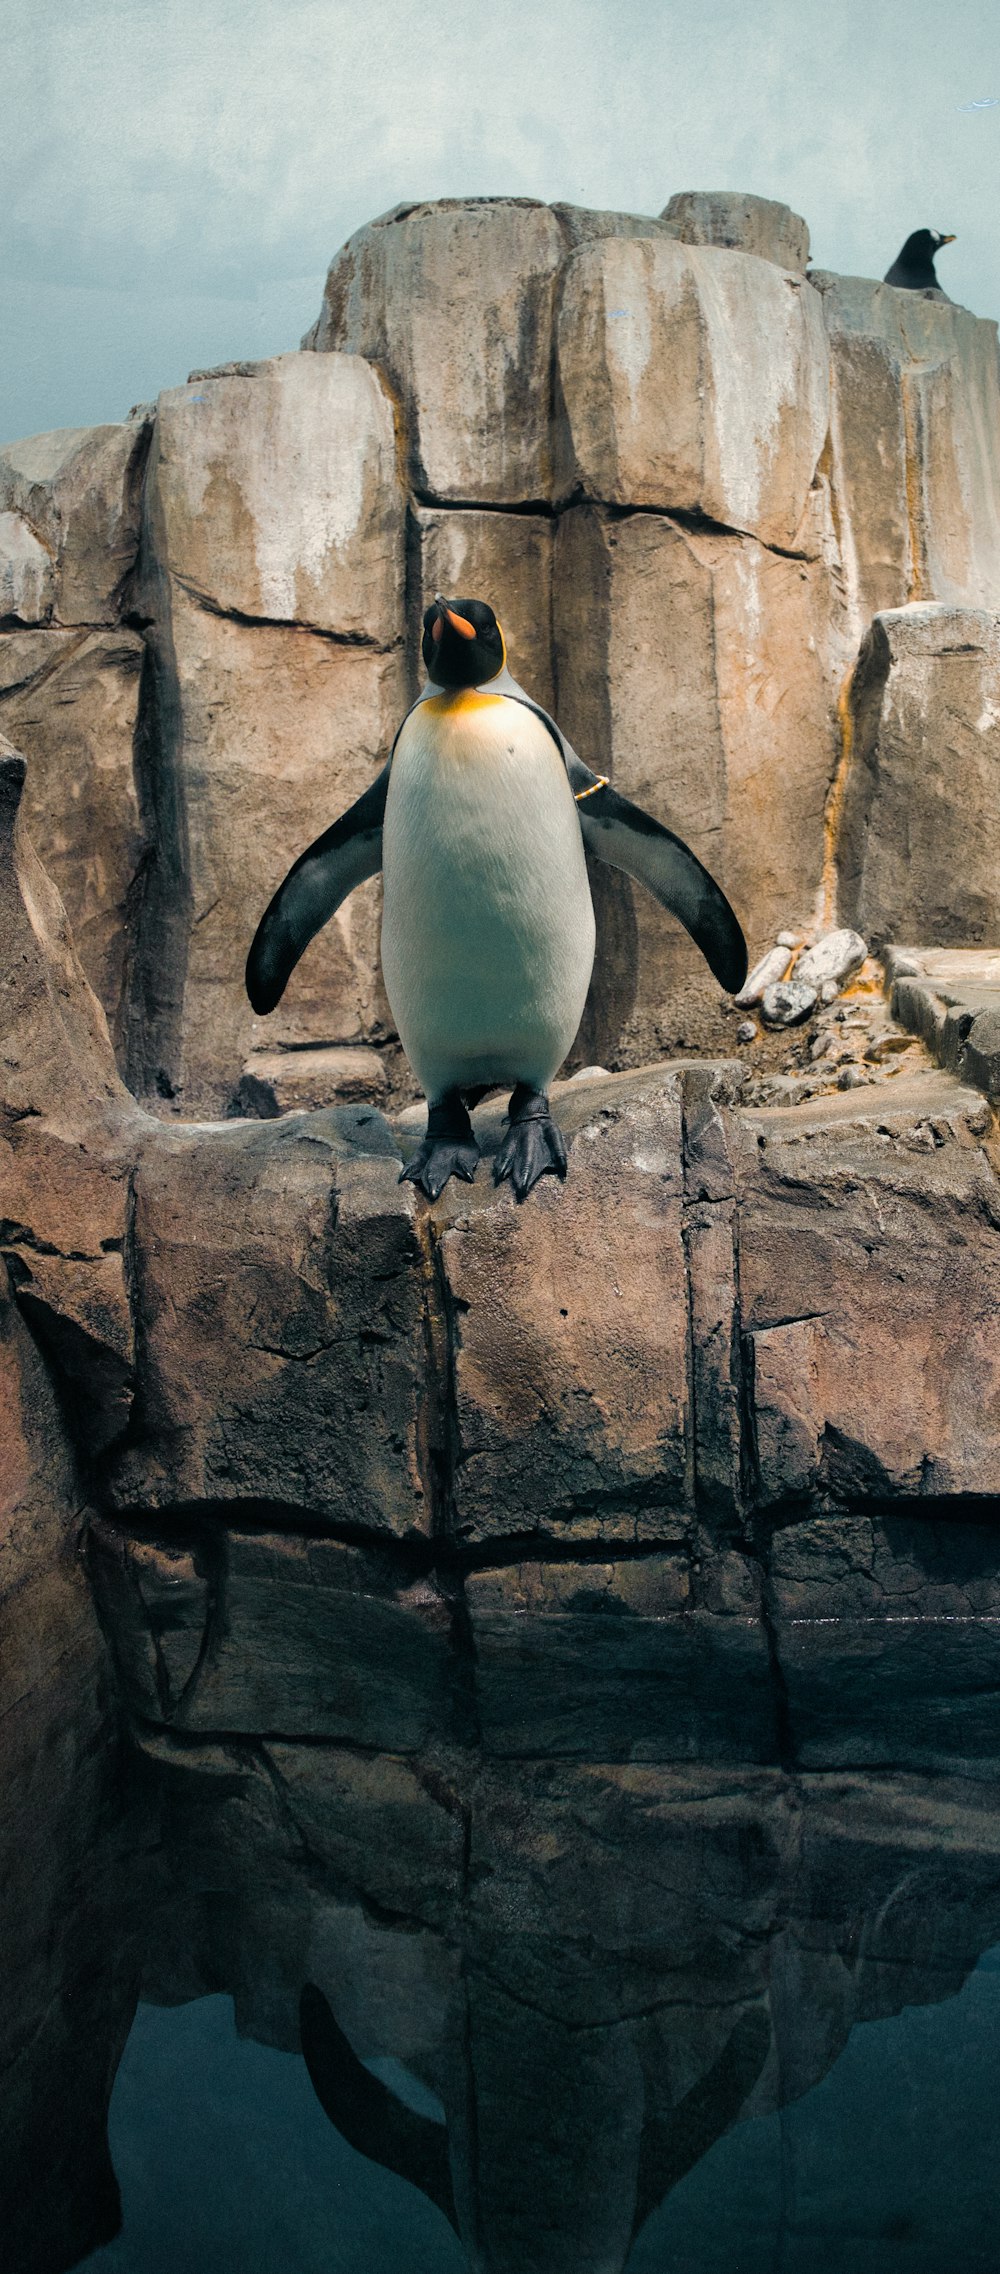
[[480, 822], [913, 268]]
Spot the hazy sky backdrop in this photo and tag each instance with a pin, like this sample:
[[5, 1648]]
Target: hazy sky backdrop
[[176, 174]]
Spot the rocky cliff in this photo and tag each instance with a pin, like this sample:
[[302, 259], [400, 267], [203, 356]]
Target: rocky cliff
[[688, 470], [568, 1620]]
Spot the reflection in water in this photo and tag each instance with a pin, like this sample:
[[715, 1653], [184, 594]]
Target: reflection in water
[[626, 1990], [225, 2159]]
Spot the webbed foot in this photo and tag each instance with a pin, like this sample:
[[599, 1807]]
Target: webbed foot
[[449, 1148], [533, 1146]]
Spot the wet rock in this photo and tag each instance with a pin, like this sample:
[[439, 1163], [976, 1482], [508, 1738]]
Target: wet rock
[[745, 224], [691, 379], [787, 1003], [239, 1632], [560, 1648], [832, 960]]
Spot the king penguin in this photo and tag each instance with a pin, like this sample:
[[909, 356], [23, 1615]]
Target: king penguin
[[481, 821], [913, 268]]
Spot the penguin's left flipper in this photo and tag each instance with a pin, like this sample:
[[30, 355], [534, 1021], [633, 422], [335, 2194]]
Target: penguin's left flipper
[[312, 892], [618, 832]]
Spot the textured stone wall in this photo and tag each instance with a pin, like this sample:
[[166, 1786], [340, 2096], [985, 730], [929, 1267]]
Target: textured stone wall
[[687, 471]]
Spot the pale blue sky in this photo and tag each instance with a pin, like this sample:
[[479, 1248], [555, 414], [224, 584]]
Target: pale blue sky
[[176, 174]]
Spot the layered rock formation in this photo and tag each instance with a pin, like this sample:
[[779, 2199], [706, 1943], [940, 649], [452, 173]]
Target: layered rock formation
[[687, 472], [538, 1628]]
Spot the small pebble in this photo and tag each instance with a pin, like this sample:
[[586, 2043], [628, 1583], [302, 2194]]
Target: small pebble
[[829, 991], [747, 1032], [787, 939], [787, 1003], [851, 1078]]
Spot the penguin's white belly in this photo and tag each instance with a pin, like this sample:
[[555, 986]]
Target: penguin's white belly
[[488, 926]]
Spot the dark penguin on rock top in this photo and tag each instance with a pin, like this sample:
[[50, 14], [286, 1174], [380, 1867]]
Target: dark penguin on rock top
[[480, 822], [913, 268]]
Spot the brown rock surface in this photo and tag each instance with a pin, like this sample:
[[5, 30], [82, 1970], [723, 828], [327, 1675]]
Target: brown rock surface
[[248, 772], [571, 1392], [66, 1125], [921, 808], [278, 1278]]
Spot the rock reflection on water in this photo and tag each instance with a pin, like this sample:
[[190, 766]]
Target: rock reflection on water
[[609, 1978]]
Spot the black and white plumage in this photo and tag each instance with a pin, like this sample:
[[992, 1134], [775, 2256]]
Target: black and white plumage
[[480, 822], [913, 268]]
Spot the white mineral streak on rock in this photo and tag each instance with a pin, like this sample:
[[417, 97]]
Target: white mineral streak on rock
[[787, 1003], [27, 582], [770, 968], [834, 957], [628, 316]]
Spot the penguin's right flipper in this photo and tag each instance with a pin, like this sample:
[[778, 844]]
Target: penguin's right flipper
[[312, 892], [618, 832], [364, 2111]]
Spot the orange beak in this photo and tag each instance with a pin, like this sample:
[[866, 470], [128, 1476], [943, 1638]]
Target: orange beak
[[947, 240], [459, 624]]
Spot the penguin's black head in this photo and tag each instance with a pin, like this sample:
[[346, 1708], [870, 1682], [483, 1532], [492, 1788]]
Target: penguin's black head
[[923, 245], [462, 644]]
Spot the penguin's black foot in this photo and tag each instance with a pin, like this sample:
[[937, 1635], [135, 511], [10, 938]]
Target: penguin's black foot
[[533, 1146], [449, 1148]]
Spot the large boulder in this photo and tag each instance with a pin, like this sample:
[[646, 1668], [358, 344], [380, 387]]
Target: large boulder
[[743, 223], [273, 573], [454, 302], [691, 378], [921, 811], [698, 671], [915, 415], [78, 491]]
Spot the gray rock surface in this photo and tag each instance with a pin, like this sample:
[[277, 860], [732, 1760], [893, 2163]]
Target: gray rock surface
[[759, 225], [921, 807], [691, 379]]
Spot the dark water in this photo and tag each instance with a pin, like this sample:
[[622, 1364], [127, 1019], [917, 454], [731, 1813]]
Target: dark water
[[225, 2159]]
